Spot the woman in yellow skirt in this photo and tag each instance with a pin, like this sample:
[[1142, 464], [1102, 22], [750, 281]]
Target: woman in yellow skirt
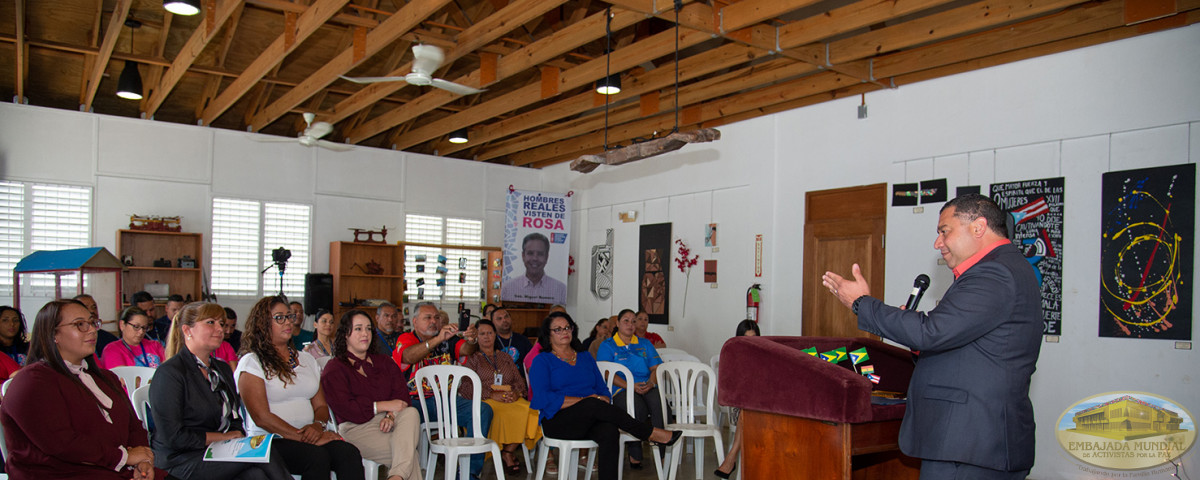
[[513, 422]]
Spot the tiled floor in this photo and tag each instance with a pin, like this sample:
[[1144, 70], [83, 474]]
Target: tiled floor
[[687, 470]]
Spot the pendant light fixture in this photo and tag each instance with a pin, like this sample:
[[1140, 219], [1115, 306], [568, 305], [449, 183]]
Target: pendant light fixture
[[609, 85], [129, 85], [182, 7], [459, 136]]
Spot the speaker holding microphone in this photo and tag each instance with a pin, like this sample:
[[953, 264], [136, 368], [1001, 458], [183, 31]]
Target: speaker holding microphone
[[920, 284]]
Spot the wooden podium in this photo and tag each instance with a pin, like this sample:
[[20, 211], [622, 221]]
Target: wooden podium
[[825, 427]]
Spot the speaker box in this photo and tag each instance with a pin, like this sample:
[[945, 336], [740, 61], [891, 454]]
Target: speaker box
[[318, 292]]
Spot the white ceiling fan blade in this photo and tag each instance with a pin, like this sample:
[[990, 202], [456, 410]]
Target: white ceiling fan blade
[[259, 139], [427, 58], [366, 80], [454, 87], [337, 147], [318, 130]]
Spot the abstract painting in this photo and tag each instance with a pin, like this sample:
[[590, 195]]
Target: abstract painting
[[654, 247], [1147, 222]]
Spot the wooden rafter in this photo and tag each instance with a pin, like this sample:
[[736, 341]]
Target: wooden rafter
[[307, 24], [94, 42], [106, 48], [691, 67], [552, 46], [749, 12], [155, 73], [622, 59], [387, 32], [191, 50]]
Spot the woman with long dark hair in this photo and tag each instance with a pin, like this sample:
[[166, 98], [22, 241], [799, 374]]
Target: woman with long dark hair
[[505, 393], [195, 403], [14, 341], [369, 398], [282, 390], [322, 345], [573, 399], [64, 417]]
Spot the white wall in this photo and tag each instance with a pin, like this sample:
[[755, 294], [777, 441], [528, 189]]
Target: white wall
[[156, 168], [1117, 106]]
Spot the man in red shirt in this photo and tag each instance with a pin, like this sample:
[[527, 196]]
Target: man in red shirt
[[427, 344]]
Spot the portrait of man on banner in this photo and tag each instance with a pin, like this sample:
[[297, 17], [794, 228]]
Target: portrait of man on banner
[[536, 248]]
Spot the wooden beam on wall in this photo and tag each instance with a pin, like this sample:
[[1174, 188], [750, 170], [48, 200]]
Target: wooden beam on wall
[[308, 23], [115, 23], [22, 53]]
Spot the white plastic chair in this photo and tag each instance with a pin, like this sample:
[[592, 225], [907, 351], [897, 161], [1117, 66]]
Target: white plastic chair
[[370, 467], [444, 380], [691, 382], [133, 377], [141, 400], [610, 370], [567, 455], [664, 353]]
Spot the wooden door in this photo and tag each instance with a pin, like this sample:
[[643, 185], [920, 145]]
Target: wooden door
[[841, 227]]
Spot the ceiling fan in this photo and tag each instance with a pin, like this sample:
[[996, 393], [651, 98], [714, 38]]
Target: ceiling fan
[[427, 59], [311, 137]]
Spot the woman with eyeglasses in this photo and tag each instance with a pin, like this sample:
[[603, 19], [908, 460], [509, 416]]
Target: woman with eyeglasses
[[572, 397], [13, 339], [195, 402], [282, 390], [133, 348], [64, 417], [369, 398]]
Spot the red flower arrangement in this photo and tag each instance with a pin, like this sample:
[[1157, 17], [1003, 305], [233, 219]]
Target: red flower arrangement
[[683, 261]]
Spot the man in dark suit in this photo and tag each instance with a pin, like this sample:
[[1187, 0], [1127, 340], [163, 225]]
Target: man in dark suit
[[969, 414]]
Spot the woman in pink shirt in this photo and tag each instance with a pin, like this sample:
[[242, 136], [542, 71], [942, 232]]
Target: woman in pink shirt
[[133, 349]]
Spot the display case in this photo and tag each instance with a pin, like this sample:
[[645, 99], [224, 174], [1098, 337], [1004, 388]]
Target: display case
[[140, 249], [365, 271]]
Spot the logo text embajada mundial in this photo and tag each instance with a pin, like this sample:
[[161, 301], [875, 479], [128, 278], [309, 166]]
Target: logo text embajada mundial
[[1126, 430]]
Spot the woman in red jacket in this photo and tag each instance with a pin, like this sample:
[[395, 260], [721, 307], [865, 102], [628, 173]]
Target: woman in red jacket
[[64, 417]]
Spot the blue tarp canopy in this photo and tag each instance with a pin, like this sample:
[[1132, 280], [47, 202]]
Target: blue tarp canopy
[[73, 259]]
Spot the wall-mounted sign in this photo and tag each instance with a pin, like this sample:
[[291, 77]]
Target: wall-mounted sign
[[1126, 431]]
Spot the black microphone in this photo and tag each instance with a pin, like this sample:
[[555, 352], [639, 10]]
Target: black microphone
[[919, 285]]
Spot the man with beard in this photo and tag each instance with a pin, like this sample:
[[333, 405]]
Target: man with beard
[[516, 346], [386, 318], [428, 345]]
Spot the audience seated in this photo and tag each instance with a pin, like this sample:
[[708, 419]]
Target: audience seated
[[386, 322], [103, 337], [145, 301], [163, 324], [300, 336], [233, 336], [14, 341], [428, 345], [194, 402], [281, 388], [487, 311], [64, 417], [746, 328], [643, 322], [602, 330], [572, 398], [641, 358], [133, 349], [514, 344], [369, 398], [504, 389], [322, 345]]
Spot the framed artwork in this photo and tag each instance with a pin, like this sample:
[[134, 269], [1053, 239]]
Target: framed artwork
[[654, 257]]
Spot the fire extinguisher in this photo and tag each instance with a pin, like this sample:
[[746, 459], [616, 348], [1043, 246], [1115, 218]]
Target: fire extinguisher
[[753, 299]]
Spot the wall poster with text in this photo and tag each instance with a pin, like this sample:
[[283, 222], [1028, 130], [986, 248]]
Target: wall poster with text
[[536, 247], [1147, 221], [1035, 217], [654, 276]]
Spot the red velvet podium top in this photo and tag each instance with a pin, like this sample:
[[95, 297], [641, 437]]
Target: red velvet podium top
[[772, 374]]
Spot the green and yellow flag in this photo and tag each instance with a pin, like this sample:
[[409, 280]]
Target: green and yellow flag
[[858, 356], [841, 354], [811, 351], [830, 356]]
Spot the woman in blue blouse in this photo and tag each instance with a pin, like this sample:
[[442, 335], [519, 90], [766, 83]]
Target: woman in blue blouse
[[641, 358], [572, 397]]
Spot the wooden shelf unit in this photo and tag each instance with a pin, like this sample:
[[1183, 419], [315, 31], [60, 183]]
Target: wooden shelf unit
[[147, 246], [348, 263]]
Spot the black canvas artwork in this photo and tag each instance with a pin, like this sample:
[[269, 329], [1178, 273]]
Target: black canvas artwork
[[654, 261], [1147, 223]]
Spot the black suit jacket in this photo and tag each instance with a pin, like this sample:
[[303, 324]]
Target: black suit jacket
[[185, 408], [968, 400]]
